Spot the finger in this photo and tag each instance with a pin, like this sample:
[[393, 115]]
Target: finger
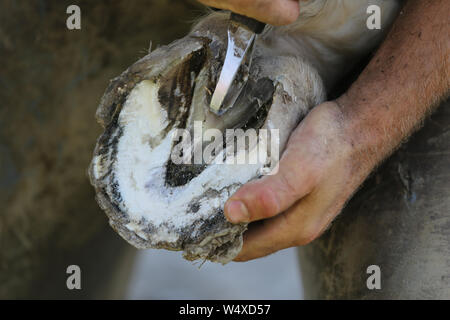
[[274, 12], [270, 195], [300, 225]]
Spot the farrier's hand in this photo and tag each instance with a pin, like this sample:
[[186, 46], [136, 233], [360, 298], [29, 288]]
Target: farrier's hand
[[318, 172], [274, 12], [338, 144]]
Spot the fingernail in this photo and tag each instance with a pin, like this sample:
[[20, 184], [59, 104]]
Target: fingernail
[[236, 211]]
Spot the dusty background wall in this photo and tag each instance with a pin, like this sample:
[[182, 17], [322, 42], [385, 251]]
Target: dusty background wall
[[51, 81]]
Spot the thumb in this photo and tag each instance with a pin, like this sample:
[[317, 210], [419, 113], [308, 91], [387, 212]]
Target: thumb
[[271, 195]]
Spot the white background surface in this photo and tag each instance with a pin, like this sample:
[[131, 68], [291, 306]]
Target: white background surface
[[161, 274]]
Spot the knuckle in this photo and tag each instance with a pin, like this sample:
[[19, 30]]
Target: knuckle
[[289, 184], [288, 19], [269, 204], [283, 13]]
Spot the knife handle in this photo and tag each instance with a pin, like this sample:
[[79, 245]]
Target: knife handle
[[254, 25]]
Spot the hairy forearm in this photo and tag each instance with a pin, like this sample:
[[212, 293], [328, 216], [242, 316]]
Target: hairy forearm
[[406, 79]]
